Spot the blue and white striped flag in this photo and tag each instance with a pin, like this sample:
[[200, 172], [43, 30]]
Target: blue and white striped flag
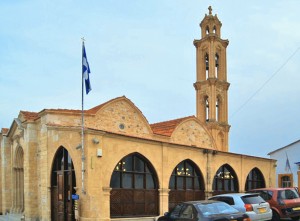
[[86, 71], [287, 164]]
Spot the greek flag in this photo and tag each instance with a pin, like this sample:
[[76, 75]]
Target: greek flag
[[86, 71], [287, 164]]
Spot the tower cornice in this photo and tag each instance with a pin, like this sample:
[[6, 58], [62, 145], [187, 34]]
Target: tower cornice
[[222, 126], [212, 81], [210, 37]]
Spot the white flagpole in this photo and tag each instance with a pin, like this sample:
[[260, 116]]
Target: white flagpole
[[82, 124]]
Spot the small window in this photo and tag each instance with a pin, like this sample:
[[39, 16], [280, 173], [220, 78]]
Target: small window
[[122, 126], [286, 181]]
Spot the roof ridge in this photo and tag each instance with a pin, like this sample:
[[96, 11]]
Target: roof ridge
[[166, 128], [177, 119], [96, 108]]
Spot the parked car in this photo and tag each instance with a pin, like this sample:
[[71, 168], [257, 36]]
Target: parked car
[[284, 202], [251, 204], [205, 210]]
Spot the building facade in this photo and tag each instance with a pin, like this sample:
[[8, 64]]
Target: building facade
[[128, 168], [288, 165]]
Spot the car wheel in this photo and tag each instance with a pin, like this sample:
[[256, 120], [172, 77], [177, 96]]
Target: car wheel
[[295, 218], [275, 216]]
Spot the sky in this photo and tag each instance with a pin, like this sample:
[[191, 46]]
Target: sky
[[143, 49]]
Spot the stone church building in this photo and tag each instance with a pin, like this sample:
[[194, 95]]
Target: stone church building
[[128, 167]]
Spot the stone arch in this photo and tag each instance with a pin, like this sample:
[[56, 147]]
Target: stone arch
[[135, 185], [18, 176], [192, 132], [225, 180], [255, 179], [128, 119], [186, 183]]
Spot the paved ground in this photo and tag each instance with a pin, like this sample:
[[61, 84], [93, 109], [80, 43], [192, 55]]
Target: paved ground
[[10, 217]]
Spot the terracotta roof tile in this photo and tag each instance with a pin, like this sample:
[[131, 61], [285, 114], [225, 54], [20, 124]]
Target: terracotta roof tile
[[166, 128], [89, 111], [64, 110], [4, 130], [31, 116]]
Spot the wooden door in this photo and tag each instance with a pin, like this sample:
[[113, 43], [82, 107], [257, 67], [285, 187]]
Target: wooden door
[[63, 182], [69, 190], [61, 207]]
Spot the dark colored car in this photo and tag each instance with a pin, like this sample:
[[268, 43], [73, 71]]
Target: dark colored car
[[205, 210], [284, 202]]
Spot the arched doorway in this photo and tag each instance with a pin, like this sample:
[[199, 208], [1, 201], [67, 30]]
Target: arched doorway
[[18, 190], [255, 180], [186, 184], [225, 181], [63, 182], [134, 188]]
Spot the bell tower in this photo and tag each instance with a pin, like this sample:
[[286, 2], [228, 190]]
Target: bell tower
[[211, 81]]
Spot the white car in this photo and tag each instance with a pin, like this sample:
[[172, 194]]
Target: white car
[[251, 204]]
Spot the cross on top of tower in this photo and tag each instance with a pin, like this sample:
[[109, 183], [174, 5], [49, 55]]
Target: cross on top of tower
[[210, 10]]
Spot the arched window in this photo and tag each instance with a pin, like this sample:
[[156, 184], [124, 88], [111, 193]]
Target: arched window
[[18, 180], [134, 188], [207, 30], [216, 65], [214, 30], [186, 183], [225, 180], [255, 180], [206, 66]]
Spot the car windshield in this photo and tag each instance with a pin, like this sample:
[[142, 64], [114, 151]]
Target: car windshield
[[216, 208], [288, 194]]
